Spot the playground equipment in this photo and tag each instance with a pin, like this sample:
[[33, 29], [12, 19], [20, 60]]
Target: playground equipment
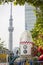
[[25, 62], [25, 47], [11, 59], [25, 57], [26, 44]]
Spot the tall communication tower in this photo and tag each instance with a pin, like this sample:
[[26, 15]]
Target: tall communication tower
[[10, 29]]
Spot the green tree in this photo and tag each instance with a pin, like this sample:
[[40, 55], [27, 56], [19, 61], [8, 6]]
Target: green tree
[[1, 44], [37, 32], [36, 3]]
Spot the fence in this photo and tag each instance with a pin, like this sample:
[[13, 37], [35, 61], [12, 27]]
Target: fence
[[30, 63], [22, 63]]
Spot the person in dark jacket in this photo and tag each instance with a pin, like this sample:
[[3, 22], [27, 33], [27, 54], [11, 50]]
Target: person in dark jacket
[[10, 59]]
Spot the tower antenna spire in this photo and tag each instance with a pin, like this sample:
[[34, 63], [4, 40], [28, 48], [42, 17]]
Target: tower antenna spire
[[11, 10]]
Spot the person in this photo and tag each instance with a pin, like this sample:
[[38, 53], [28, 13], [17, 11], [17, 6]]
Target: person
[[10, 59]]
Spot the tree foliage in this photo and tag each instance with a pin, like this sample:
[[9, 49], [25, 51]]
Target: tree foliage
[[21, 2], [1, 44], [37, 32]]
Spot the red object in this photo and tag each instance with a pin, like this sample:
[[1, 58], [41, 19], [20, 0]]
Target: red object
[[40, 49], [26, 42], [41, 57]]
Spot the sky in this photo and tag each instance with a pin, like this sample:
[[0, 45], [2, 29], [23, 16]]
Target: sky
[[18, 19], [18, 23]]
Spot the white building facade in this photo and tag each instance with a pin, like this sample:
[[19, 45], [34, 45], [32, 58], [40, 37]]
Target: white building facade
[[29, 17]]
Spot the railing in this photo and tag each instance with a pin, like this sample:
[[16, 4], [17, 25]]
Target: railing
[[30, 63], [23, 63], [36, 62]]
